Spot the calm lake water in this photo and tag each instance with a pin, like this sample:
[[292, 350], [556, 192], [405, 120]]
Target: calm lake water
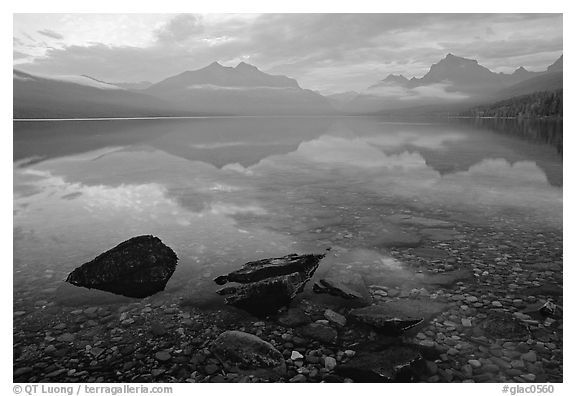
[[221, 192]]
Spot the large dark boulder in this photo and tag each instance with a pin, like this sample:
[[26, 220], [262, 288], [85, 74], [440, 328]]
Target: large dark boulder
[[138, 267], [269, 284], [248, 354]]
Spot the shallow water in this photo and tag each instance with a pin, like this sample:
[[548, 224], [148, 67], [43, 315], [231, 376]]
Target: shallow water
[[225, 191]]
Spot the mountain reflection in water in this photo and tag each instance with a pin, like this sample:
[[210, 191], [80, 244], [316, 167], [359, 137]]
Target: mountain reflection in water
[[222, 192]]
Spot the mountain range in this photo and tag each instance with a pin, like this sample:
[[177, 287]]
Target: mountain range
[[453, 82]]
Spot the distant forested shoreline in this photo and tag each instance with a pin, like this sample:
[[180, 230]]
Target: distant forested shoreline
[[546, 104]]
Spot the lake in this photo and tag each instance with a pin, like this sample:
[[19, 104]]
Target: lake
[[224, 191], [446, 210]]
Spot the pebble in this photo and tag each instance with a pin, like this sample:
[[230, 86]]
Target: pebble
[[157, 372], [490, 368], [296, 355], [529, 377], [312, 359], [298, 378], [66, 337], [529, 356], [56, 373], [335, 317], [466, 322], [163, 356], [517, 364], [329, 363], [509, 345], [501, 363], [96, 351], [474, 363], [427, 343], [21, 371], [91, 312]]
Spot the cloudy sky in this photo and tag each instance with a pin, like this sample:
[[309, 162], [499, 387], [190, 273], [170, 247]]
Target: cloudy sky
[[325, 52]]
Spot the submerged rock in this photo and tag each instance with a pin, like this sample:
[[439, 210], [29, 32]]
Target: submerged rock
[[395, 317], [269, 284], [386, 322], [294, 317], [248, 354], [255, 271], [502, 325], [397, 238], [393, 364], [548, 309], [336, 288], [319, 332], [138, 267], [418, 221], [335, 317]]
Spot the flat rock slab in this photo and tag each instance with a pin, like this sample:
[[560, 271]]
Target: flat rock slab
[[255, 271], [138, 267], [393, 364], [248, 354], [395, 317], [269, 284]]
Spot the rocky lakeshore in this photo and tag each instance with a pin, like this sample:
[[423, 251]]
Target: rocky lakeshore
[[477, 290]]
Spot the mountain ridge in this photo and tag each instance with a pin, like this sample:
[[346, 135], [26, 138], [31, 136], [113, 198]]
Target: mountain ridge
[[246, 90]]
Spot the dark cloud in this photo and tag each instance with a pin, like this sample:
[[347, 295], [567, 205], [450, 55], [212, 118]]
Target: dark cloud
[[322, 51], [51, 34]]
